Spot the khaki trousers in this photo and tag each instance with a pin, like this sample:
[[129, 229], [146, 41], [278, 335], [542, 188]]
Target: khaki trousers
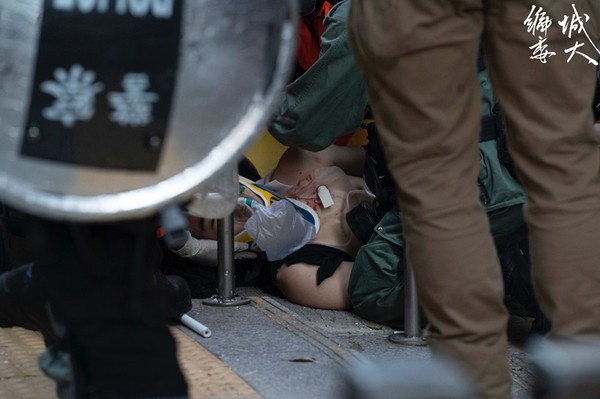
[[419, 61]]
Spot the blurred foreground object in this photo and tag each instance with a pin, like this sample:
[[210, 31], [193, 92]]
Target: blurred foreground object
[[424, 378], [109, 111], [565, 368]]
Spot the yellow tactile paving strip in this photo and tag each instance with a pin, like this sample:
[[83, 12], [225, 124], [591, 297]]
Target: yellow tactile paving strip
[[21, 378], [207, 376]]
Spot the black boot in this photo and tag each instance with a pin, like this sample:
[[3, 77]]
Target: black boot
[[178, 294]]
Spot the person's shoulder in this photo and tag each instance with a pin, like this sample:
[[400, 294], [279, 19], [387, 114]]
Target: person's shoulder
[[339, 11]]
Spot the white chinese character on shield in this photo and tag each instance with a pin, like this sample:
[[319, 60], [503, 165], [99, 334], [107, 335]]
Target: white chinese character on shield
[[133, 106], [75, 93]]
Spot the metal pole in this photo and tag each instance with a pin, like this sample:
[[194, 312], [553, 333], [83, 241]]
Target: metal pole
[[412, 334], [225, 267], [412, 327]]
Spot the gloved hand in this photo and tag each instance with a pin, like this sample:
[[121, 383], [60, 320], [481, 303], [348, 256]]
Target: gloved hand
[[205, 251]]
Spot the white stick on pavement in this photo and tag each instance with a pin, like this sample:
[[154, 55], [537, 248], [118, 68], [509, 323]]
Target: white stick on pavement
[[195, 325]]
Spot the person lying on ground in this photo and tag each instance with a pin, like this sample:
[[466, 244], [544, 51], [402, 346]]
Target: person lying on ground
[[316, 274], [335, 270]]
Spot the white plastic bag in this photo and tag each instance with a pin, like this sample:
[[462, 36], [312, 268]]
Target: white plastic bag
[[279, 229]]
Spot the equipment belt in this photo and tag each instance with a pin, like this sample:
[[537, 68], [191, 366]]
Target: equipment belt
[[491, 127]]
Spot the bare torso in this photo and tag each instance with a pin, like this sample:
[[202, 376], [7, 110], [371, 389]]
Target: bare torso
[[346, 192]]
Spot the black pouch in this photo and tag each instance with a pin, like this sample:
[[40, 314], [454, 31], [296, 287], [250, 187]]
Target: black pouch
[[362, 219], [377, 175]]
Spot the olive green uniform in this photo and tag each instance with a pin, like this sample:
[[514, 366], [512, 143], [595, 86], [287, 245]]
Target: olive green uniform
[[329, 99]]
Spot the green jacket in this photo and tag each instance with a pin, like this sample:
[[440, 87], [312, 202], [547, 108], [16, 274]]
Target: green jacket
[[328, 100], [376, 286]]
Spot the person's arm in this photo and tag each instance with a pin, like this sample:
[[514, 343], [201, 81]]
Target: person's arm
[[298, 284], [328, 100]]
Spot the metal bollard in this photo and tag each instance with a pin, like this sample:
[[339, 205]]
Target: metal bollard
[[412, 334], [225, 268]]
